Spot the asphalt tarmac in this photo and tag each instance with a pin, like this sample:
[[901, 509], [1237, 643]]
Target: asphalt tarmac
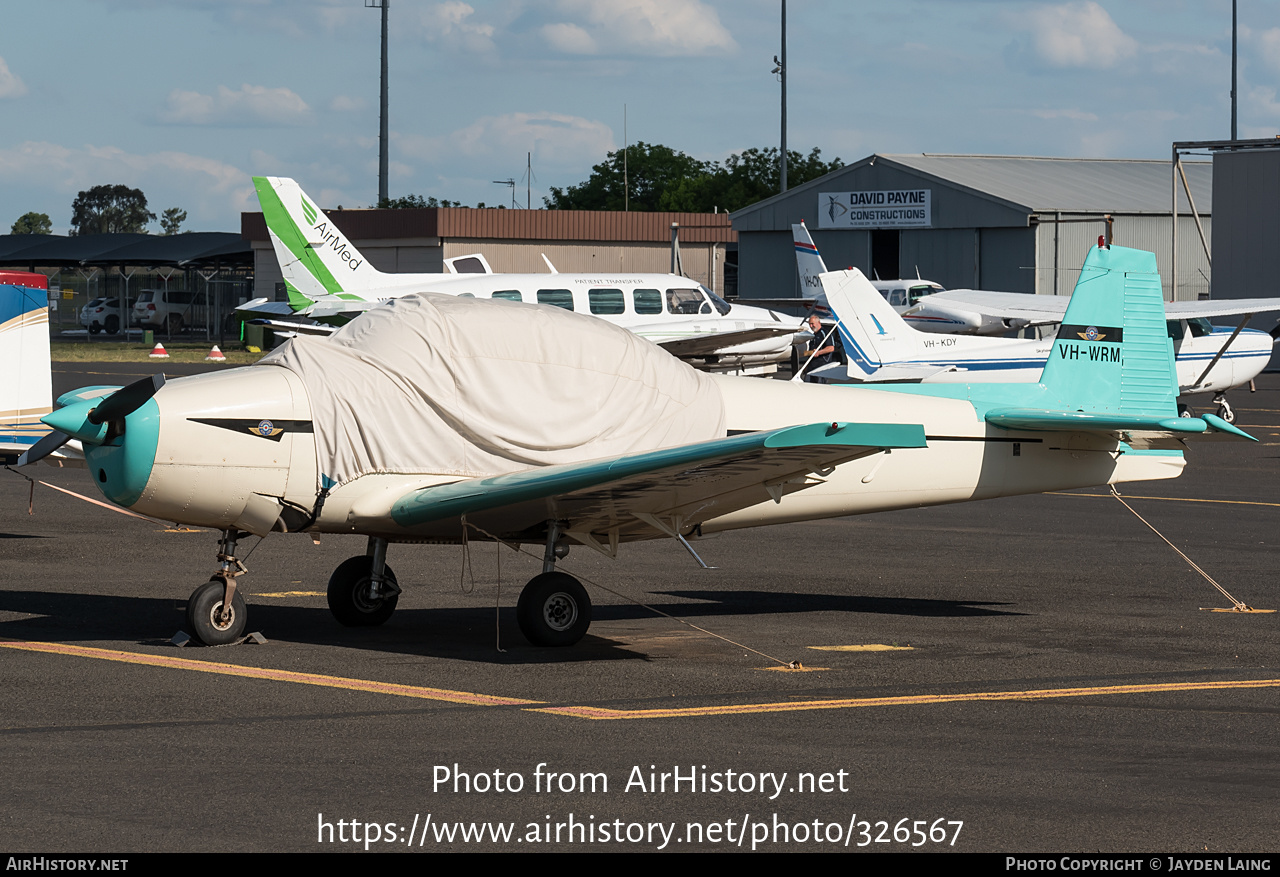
[[1031, 674]]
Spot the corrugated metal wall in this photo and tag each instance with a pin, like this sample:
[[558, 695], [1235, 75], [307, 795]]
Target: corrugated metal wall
[[1142, 232], [1246, 190]]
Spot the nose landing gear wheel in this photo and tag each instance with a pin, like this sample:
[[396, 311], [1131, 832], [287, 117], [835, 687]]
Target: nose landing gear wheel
[[204, 615], [554, 610], [350, 599]]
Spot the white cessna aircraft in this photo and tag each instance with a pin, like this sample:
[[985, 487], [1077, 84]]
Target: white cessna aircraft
[[330, 281], [438, 418], [880, 346]]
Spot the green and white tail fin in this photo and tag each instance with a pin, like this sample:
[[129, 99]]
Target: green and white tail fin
[[315, 256], [1112, 352]]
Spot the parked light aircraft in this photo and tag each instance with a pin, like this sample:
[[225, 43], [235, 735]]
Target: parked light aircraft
[[880, 346], [26, 393], [330, 281], [436, 416]]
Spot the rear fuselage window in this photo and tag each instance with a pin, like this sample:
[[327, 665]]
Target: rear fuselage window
[[508, 294]]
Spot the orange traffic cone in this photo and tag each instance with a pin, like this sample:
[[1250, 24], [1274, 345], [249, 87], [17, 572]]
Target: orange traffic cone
[[215, 355], [158, 352]]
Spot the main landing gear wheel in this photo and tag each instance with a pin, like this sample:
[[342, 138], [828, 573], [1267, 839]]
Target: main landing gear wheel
[[1186, 410], [554, 610], [350, 599], [204, 614]]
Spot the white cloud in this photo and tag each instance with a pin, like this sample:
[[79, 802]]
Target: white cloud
[[1078, 34], [1268, 42], [569, 38], [554, 138], [453, 22], [10, 85], [213, 191], [654, 27], [1261, 101], [1074, 115], [251, 105], [342, 103]]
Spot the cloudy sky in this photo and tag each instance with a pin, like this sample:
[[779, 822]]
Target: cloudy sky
[[187, 99]]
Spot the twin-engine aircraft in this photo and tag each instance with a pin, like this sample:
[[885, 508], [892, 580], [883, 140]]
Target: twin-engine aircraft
[[881, 346], [438, 418], [330, 281]]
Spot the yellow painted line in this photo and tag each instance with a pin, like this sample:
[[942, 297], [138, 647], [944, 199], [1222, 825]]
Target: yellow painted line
[[869, 647], [799, 668], [1166, 498], [292, 594], [599, 713], [443, 694]]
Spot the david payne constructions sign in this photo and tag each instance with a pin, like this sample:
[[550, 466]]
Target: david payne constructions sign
[[895, 208]]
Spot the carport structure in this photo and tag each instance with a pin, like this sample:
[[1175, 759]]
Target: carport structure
[[214, 271]]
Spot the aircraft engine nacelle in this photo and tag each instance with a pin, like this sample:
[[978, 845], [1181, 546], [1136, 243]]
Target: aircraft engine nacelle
[[220, 450]]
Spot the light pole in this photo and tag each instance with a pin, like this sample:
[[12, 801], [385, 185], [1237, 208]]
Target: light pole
[[780, 68], [382, 104]]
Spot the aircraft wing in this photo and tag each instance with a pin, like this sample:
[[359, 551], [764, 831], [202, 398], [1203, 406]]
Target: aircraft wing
[[1045, 309], [712, 343], [1036, 309], [1223, 307], [646, 494]]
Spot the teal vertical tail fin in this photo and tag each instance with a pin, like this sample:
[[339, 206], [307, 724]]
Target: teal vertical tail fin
[[1113, 352]]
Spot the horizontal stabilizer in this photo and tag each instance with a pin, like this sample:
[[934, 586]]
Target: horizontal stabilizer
[[1134, 429]]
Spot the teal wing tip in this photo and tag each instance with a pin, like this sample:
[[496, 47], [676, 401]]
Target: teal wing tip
[[1222, 426]]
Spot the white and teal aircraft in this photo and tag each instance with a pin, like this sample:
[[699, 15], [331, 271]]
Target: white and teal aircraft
[[881, 346], [271, 448], [328, 280]]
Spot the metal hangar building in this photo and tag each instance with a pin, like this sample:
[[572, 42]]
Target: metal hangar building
[[1015, 224]]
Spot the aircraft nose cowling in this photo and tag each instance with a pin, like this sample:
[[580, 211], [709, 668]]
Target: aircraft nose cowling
[[120, 463]]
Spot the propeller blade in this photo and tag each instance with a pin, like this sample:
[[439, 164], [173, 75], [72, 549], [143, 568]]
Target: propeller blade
[[122, 403], [43, 448]]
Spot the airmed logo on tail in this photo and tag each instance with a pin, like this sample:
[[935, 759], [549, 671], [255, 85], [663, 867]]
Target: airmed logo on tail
[[308, 211]]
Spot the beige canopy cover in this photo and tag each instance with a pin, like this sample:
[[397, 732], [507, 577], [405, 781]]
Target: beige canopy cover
[[438, 384]]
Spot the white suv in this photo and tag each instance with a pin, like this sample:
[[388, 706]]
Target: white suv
[[156, 308], [99, 314]]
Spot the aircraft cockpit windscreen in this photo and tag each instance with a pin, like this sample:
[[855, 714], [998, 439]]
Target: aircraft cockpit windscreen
[[717, 302], [687, 302], [920, 290], [1200, 326]]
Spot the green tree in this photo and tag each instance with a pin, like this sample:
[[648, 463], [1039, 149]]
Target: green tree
[[661, 178], [650, 171], [171, 220], [107, 209], [32, 223], [412, 201]]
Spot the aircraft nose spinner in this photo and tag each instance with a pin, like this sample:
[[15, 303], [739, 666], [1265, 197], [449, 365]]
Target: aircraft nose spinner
[[120, 468]]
